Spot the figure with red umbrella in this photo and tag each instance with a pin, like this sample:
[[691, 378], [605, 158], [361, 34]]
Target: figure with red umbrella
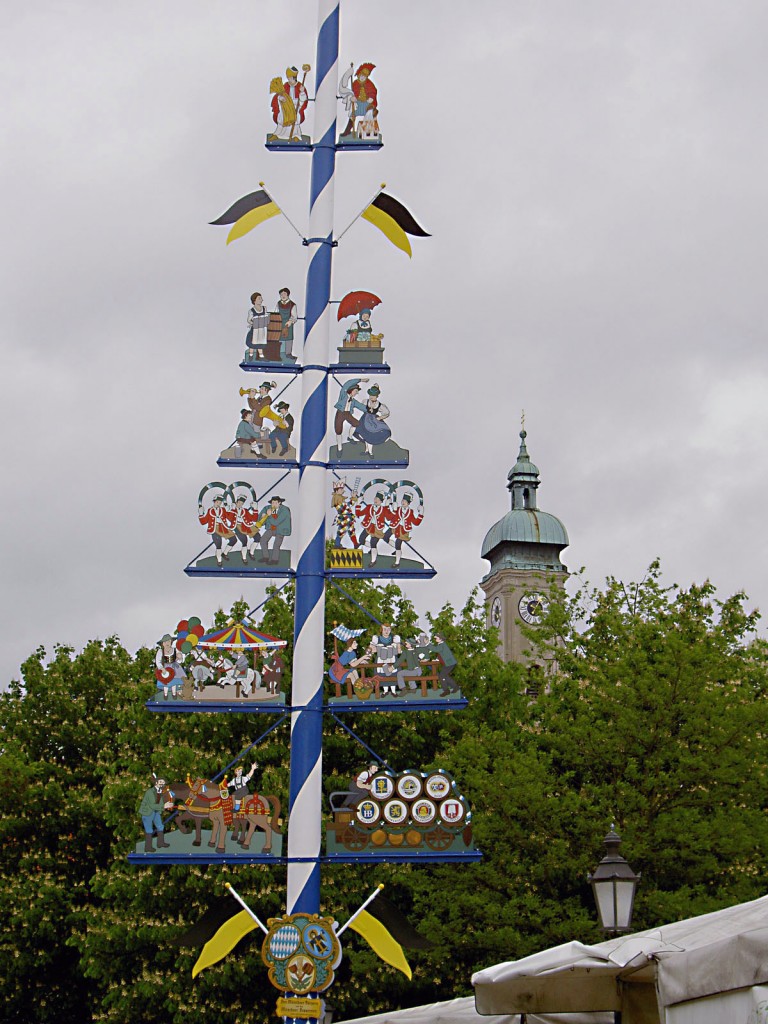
[[360, 334]]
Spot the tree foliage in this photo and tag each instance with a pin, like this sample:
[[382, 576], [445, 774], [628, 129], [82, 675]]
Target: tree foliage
[[654, 720]]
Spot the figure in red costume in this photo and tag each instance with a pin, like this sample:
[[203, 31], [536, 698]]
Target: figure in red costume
[[246, 527], [374, 519], [401, 520], [361, 98], [219, 523]]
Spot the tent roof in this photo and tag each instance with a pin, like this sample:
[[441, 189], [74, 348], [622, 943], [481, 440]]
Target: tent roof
[[237, 635], [462, 1011], [717, 952]]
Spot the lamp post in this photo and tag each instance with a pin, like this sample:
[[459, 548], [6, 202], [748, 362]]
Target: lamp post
[[614, 884]]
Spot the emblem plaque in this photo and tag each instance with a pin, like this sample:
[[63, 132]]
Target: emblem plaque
[[302, 952]]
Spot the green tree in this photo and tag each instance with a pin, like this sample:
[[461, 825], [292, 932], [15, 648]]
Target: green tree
[[657, 721], [654, 719], [53, 835]]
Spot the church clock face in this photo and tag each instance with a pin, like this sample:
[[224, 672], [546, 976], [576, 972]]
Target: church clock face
[[532, 607], [496, 612]]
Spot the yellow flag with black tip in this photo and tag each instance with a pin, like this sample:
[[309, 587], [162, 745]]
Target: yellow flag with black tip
[[387, 931], [393, 220], [220, 929], [247, 213]]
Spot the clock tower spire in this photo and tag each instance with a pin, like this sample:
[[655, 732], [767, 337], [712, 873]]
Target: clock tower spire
[[524, 551]]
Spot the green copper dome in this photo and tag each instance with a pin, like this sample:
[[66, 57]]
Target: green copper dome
[[527, 537], [525, 526]]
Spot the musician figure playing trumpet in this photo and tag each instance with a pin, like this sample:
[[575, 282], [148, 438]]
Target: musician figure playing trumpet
[[252, 432], [259, 400]]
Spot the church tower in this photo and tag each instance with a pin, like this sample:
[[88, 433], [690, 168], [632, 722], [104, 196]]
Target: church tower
[[524, 551]]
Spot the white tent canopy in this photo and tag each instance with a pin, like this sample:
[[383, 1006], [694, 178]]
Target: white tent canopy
[[706, 970], [462, 1011]]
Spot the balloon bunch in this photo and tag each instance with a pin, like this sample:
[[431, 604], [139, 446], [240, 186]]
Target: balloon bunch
[[188, 633]]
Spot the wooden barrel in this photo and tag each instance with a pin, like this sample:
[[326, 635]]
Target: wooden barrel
[[274, 327]]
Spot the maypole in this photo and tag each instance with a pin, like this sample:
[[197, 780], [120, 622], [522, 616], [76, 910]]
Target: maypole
[[384, 815], [304, 835]]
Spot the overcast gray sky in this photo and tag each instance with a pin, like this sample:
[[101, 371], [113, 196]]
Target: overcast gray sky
[[593, 174]]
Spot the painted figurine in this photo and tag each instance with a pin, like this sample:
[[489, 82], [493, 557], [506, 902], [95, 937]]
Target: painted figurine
[[239, 673], [275, 519], [373, 518], [372, 429], [448, 659], [239, 785], [289, 314], [169, 667], [346, 405], [360, 785], [381, 519], [246, 526], [282, 431], [259, 401], [364, 328], [247, 436], [361, 104], [344, 505], [272, 670], [360, 344], [260, 405], [256, 336], [252, 434], [387, 647], [289, 105], [409, 663], [219, 523], [149, 810], [401, 519], [344, 666]]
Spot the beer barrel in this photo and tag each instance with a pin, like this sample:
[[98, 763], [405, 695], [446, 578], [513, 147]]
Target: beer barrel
[[275, 327]]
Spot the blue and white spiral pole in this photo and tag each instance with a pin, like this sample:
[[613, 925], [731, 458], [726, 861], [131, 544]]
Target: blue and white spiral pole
[[305, 826]]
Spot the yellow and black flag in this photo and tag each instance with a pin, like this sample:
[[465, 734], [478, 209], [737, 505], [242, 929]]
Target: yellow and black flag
[[247, 213], [218, 931], [394, 220], [387, 932]]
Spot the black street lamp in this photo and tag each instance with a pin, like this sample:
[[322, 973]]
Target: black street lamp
[[614, 884]]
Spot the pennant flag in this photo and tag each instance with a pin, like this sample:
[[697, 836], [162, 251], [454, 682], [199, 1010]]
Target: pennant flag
[[218, 931], [387, 931], [247, 213], [394, 220], [341, 632]]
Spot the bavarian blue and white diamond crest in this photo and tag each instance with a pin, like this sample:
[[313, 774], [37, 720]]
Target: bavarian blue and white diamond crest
[[285, 941]]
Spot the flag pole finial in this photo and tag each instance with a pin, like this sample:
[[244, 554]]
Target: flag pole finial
[[360, 909]]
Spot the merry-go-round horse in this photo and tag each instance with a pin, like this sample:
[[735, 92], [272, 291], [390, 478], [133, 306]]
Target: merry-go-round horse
[[201, 799]]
